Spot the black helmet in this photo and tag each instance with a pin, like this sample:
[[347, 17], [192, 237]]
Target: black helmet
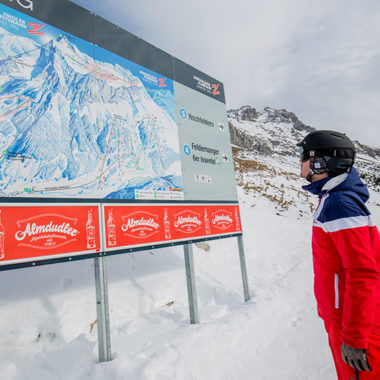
[[328, 151]]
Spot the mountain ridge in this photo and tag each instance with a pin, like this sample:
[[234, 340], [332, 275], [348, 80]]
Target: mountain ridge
[[267, 163]]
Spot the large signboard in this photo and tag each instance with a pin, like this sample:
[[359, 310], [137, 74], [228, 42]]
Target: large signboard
[[88, 110]]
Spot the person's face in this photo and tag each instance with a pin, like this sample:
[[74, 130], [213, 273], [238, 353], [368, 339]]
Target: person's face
[[305, 168]]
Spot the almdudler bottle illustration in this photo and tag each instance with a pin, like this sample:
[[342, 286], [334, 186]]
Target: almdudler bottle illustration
[[207, 223], [167, 225], [90, 231], [237, 220], [111, 229]]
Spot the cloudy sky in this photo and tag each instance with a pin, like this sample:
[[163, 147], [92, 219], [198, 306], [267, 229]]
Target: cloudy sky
[[318, 59]]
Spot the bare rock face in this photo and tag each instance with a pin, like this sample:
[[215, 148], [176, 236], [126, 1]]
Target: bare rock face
[[244, 113], [246, 141], [248, 113], [366, 150]]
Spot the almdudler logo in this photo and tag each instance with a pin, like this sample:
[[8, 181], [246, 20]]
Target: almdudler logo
[[187, 221], [140, 224], [222, 219], [46, 231]]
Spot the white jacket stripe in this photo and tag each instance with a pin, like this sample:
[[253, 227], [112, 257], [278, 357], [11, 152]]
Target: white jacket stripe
[[345, 223]]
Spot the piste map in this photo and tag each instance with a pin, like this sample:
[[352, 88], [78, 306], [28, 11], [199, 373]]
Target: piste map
[[79, 121]]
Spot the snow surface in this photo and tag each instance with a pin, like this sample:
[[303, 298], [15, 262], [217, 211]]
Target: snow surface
[[47, 314]]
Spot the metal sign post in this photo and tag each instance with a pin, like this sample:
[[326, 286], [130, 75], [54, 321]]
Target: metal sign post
[[191, 286], [104, 341], [243, 268]]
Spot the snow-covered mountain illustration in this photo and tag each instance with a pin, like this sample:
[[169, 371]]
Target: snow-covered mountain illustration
[[73, 126]]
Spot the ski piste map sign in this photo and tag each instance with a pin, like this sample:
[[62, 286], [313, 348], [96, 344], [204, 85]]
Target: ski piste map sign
[[91, 115]]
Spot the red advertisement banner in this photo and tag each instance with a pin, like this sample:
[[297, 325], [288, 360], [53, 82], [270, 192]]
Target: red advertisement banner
[[30, 233], [39, 232], [139, 225]]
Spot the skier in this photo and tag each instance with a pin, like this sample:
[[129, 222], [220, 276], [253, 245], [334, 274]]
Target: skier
[[346, 255]]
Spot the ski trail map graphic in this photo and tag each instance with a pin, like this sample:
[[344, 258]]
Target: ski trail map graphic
[[77, 121]]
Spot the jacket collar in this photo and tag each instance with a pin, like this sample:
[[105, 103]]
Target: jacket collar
[[349, 182], [326, 184], [334, 182]]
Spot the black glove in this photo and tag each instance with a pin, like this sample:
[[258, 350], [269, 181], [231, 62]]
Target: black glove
[[355, 357]]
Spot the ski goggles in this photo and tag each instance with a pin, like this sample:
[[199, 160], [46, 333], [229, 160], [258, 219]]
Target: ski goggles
[[304, 154]]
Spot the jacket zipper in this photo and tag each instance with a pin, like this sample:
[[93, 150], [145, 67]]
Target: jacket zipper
[[336, 288]]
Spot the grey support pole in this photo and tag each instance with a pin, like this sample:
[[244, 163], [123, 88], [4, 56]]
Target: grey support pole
[[104, 341], [243, 268], [191, 286]]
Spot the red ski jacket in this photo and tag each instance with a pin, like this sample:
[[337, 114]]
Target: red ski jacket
[[346, 258]]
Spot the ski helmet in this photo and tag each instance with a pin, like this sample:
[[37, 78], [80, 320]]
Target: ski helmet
[[328, 151]]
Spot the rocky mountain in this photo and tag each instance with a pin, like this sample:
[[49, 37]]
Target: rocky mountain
[[266, 157]]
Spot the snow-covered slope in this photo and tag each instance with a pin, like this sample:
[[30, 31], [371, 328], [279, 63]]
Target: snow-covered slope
[[48, 314]]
